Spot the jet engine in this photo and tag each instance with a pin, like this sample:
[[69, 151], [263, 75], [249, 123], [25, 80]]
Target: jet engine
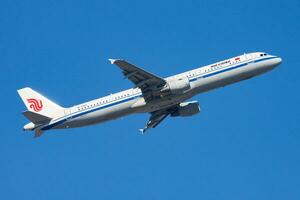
[[176, 86], [186, 109]]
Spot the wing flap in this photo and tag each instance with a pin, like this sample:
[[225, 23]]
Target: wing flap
[[154, 121], [157, 117]]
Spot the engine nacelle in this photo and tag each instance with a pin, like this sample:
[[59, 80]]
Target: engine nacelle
[[187, 109], [176, 86]]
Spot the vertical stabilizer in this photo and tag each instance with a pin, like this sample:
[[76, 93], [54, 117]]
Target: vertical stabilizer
[[37, 103]]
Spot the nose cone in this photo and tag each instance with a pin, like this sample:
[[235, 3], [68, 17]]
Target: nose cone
[[274, 63], [278, 61]]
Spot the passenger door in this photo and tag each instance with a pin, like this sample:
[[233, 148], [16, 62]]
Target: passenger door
[[67, 111]]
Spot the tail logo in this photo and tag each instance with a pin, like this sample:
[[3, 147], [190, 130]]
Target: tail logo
[[35, 104]]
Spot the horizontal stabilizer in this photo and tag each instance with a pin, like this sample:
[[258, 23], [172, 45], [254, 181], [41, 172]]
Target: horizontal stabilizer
[[36, 118]]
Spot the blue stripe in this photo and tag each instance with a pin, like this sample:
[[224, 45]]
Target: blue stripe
[[230, 68], [225, 70], [86, 112]]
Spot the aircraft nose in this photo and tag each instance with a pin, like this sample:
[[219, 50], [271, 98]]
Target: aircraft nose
[[275, 62], [278, 61]]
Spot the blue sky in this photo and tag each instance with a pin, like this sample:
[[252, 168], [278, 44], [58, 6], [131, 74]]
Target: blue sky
[[245, 144]]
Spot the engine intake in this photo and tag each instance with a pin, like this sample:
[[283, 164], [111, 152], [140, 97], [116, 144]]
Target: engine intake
[[176, 86]]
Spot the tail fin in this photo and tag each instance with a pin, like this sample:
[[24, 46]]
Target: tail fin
[[37, 103]]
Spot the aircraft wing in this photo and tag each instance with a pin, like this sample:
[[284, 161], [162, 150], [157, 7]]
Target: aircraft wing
[[157, 117], [140, 78]]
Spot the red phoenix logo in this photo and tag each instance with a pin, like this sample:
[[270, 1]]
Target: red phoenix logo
[[35, 104]]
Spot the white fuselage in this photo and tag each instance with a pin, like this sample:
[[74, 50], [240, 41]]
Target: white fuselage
[[132, 101]]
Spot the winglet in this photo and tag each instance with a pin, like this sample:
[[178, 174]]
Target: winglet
[[142, 130], [112, 61]]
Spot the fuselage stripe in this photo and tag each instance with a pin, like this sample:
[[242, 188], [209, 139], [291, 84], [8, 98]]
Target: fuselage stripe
[[86, 112], [229, 68]]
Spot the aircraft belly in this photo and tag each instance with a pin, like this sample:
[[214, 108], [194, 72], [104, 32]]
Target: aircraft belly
[[161, 103], [101, 115]]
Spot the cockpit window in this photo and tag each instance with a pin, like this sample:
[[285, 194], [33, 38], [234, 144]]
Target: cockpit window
[[263, 54]]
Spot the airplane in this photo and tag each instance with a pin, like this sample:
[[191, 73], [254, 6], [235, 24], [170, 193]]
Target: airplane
[[161, 97]]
